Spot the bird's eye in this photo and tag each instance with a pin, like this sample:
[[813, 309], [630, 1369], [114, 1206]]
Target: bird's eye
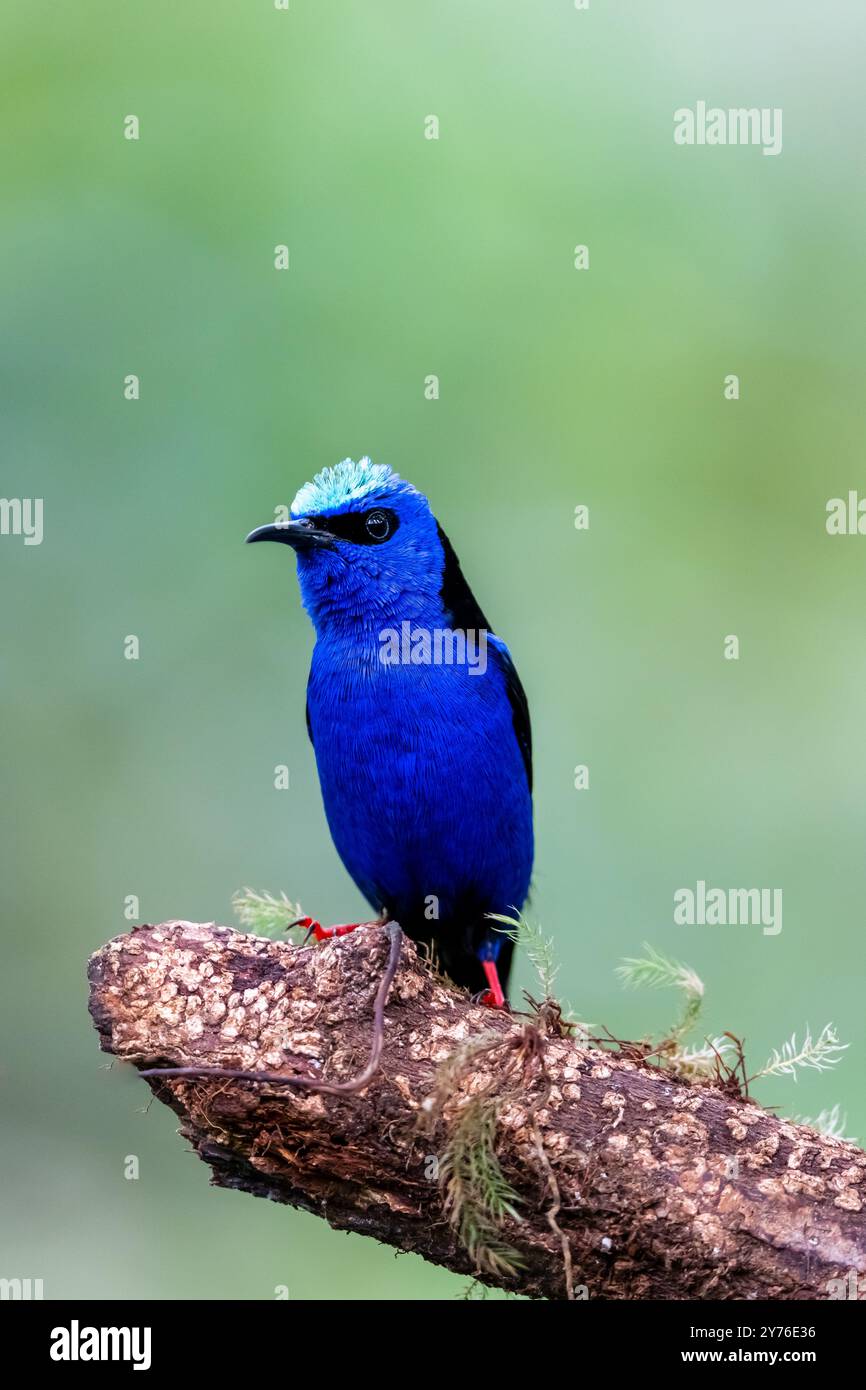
[[360, 528], [377, 525]]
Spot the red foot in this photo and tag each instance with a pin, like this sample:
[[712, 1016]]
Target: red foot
[[314, 928], [493, 997]]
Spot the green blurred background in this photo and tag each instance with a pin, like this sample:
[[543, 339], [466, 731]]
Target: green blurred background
[[411, 257]]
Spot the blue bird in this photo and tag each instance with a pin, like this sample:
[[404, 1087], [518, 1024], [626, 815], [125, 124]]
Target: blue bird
[[418, 720]]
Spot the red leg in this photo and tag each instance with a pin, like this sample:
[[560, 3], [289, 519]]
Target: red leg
[[314, 928], [493, 997]]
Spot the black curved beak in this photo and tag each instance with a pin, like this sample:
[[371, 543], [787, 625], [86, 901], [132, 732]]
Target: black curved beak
[[300, 535]]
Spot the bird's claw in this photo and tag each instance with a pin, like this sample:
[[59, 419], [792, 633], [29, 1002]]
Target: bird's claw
[[487, 999], [314, 928], [308, 924]]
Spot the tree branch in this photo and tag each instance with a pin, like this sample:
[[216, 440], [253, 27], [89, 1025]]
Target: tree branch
[[642, 1186]]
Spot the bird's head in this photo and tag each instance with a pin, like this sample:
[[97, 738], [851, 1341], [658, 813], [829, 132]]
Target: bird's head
[[368, 547]]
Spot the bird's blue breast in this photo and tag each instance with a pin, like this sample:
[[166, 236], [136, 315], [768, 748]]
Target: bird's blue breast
[[424, 783]]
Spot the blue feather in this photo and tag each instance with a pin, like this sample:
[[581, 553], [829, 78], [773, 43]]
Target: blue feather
[[425, 768]]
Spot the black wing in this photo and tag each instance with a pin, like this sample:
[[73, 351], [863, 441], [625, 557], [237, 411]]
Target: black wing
[[519, 708], [309, 725], [461, 604]]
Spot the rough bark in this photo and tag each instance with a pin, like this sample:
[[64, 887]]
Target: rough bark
[[664, 1190]]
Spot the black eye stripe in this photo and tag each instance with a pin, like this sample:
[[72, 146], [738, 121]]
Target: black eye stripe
[[361, 528]]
